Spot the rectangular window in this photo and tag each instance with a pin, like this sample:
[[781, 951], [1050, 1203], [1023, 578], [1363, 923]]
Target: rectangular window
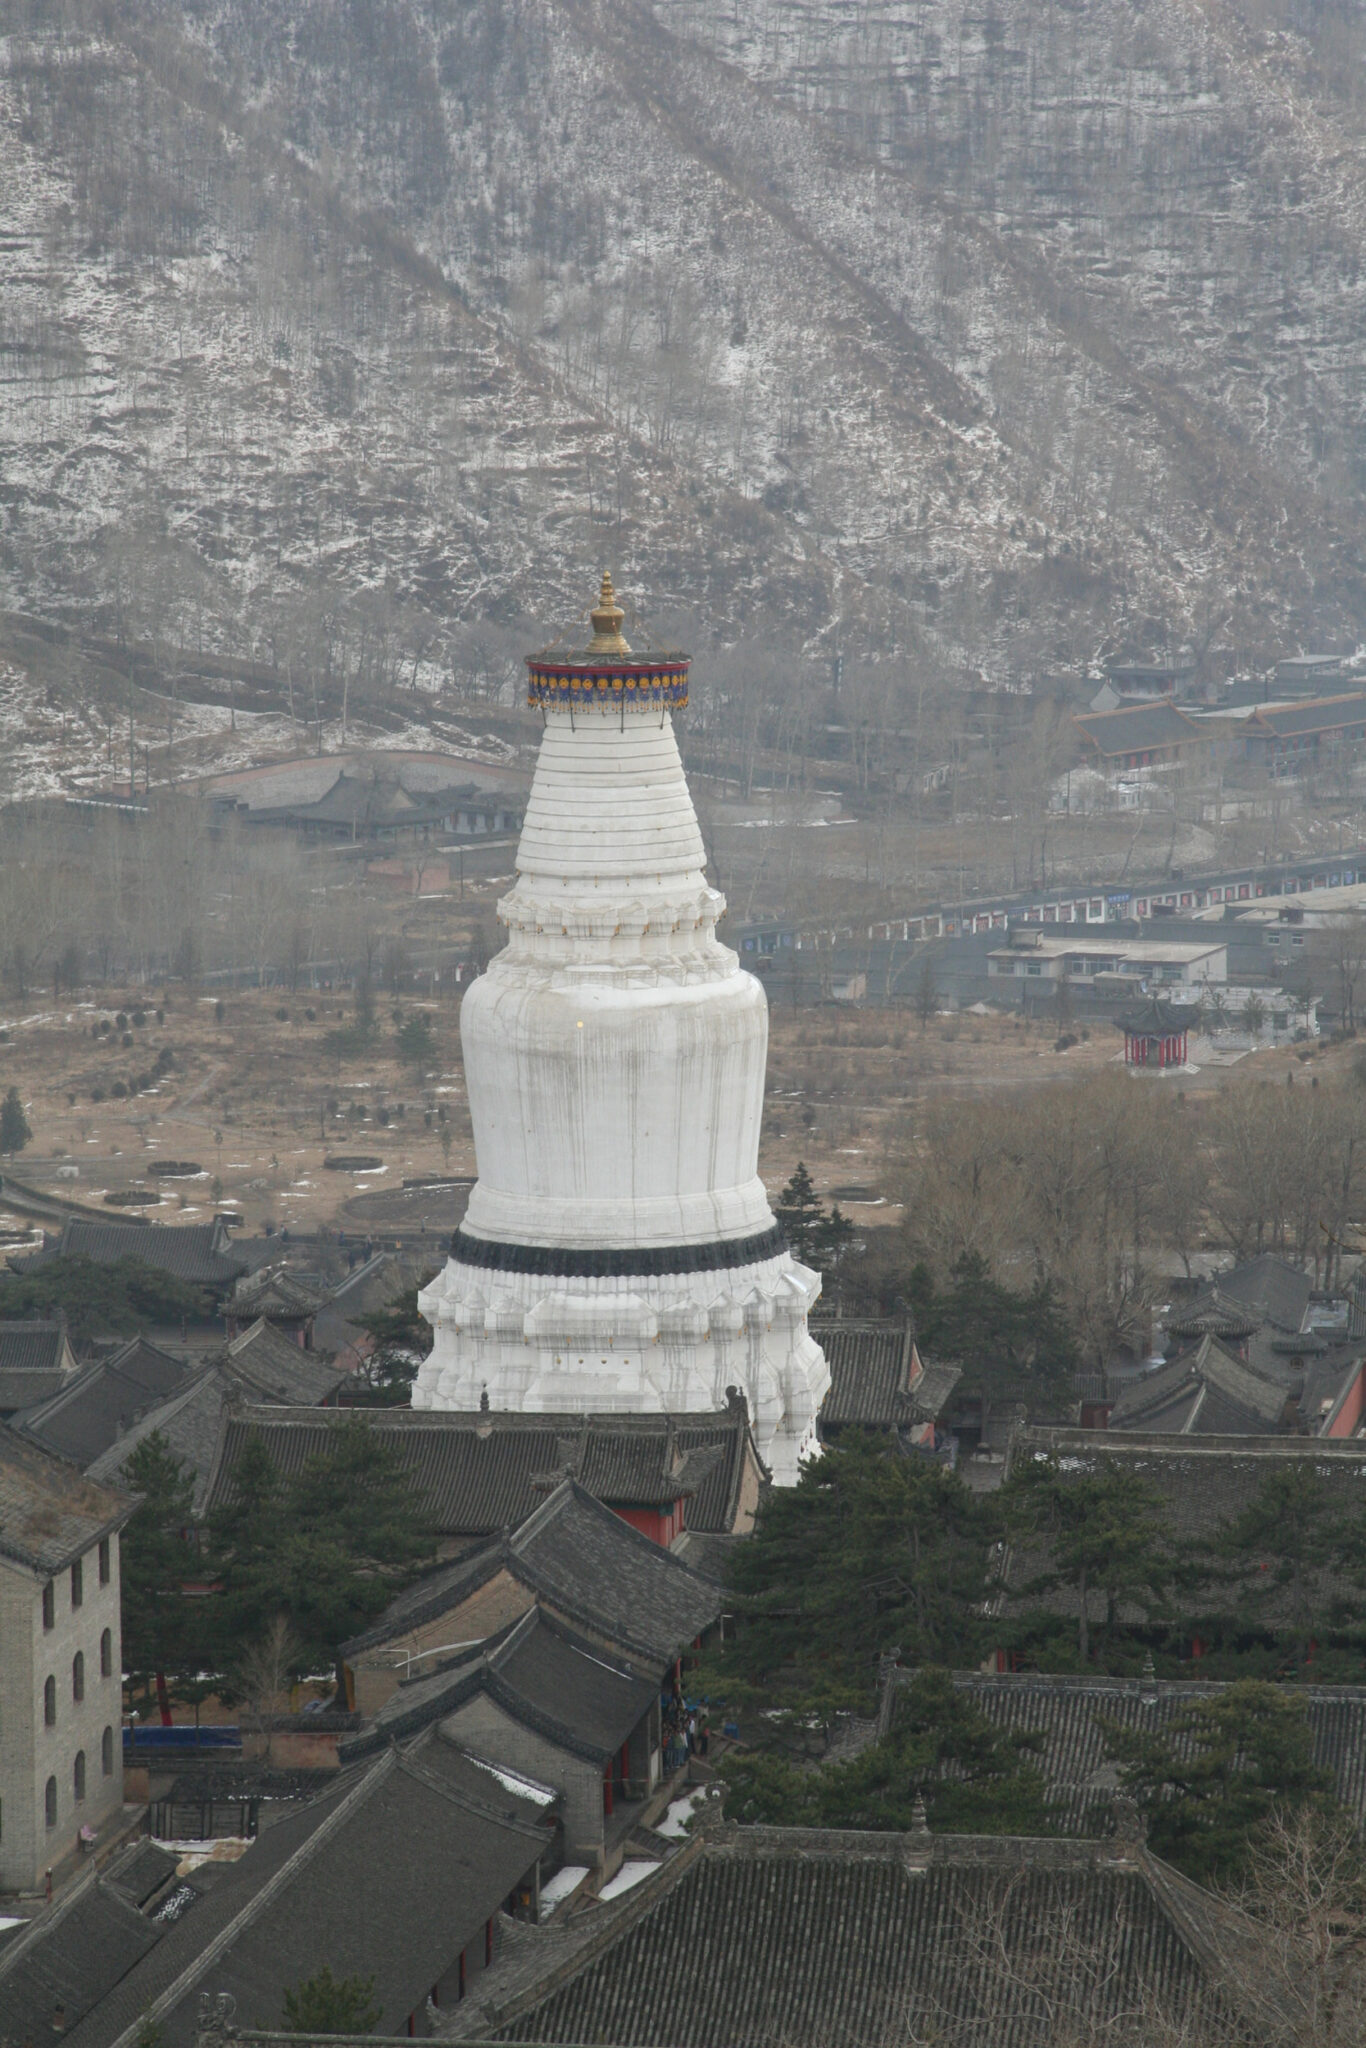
[[77, 1583], [104, 1561], [49, 1605]]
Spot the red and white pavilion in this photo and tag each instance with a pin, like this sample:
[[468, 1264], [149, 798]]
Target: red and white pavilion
[[1156, 1035]]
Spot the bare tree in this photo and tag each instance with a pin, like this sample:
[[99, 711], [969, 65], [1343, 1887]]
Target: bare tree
[[1339, 952]]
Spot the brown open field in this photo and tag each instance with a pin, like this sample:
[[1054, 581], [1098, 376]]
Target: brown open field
[[252, 1097], [256, 1101]]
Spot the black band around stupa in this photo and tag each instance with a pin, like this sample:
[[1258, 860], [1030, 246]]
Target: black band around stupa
[[610, 1262]]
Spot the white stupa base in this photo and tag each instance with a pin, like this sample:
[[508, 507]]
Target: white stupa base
[[633, 1344]]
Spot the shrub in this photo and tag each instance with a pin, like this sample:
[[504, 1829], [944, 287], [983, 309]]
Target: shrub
[[119, 1091]]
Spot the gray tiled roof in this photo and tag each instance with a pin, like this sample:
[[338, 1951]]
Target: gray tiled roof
[[275, 1290], [49, 1512], [1079, 1775], [272, 1368], [140, 1871], [540, 1673], [391, 1872], [98, 1404], [198, 1253], [21, 1388], [1211, 1313], [1315, 714], [194, 1418], [584, 1562], [1202, 1482], [1266, 1287], [870, 1373], [481, 1472], [191, 1422], [72, 1956], [765, 1935], [1206, 1391], [1138, 728], [34, 1346]]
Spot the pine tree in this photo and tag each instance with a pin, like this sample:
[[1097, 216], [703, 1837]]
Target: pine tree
[[1210, 1780], [156, 1556], [14, 1125], [325, 1549], [1100, 1531], [975, 1777], [801, 1213], [869, 1548], [331, 2005], [415, 1041]]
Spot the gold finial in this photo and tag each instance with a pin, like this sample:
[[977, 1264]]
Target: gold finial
[[607, 616]]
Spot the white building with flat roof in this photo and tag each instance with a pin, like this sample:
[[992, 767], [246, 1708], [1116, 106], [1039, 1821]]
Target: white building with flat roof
[[1034, 955]]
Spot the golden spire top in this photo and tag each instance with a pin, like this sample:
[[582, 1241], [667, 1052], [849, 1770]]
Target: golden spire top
[[607, 616]]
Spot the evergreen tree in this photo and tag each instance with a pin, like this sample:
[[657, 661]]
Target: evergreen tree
[[402, 1337], [1287, 1537], [97, 1299], [331, 2005], [14, 1125], [869, 1549], [975, 1777], [1097, 1531], [415, 1041], [833, 1240], [247, 1539], [161, 1629], [325, 1550], [1210, 1780], [801, 1213], [983, 1325]]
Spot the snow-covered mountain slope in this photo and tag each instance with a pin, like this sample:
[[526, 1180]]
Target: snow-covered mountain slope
[[999, 337]]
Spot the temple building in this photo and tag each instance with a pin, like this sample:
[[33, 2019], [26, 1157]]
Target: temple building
[[619, 1252], [1157, 1035]]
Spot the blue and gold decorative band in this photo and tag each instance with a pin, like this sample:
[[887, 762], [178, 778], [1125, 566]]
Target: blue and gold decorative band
[[645, 683]]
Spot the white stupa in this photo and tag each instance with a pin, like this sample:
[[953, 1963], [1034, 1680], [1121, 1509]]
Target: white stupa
[[619, 1252]]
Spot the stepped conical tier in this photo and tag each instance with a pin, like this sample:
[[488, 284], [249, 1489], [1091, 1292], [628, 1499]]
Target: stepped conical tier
[[619, 1252]]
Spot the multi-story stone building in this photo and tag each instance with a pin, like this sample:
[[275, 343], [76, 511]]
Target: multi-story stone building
[[61, 1751]]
